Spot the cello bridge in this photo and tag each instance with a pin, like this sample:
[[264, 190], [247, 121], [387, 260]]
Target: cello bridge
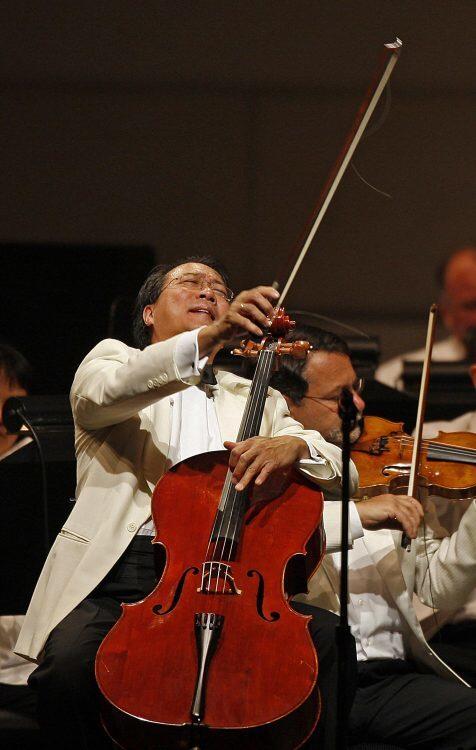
[[217, 578]]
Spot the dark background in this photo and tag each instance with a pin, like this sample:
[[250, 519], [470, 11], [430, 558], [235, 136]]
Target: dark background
[[210, 126], [59, 300]]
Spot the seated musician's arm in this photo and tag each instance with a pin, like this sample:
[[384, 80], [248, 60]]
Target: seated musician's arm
[[324, 464], [115, 381], [446, 567]]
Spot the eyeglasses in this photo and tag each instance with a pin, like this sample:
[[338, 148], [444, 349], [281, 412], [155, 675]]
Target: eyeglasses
[[195, 282], [357, 387]]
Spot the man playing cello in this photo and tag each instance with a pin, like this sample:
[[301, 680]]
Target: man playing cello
[[137, 413]]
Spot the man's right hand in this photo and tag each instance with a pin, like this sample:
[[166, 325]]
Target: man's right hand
[[391, 512], [248, 314]]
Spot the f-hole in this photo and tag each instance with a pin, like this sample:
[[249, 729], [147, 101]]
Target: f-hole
[[156, 609], [273, 616]]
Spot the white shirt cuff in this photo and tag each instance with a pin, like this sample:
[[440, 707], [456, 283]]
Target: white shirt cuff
[[187, 356], [356, 529], [313, 454], [326, 471]]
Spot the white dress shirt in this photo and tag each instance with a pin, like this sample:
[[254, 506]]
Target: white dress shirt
[[373, 618]]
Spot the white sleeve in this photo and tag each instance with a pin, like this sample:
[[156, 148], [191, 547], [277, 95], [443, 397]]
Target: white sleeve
[[332, 524], [187, 356], [114, 381]]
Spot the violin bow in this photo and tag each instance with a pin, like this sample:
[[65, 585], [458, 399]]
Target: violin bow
[[381, 77], [417, 442]]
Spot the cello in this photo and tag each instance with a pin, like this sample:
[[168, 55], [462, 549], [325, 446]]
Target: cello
[[215, 656]]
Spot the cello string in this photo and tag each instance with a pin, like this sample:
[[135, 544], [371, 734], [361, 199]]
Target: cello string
[[216, 531], [268, 357], [209, 562], [231, 495], [245, 429], [209, 554], [252, 427], [249, 429]]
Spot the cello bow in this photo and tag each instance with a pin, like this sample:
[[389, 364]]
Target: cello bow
[[388, 60]]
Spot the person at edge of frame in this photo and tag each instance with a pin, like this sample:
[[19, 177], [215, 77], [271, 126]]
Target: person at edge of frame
[[406, 695]]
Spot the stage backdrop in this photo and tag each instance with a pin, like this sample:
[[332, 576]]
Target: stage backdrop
[[211, 126]]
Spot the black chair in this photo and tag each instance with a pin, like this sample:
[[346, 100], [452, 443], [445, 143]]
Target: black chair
[[18, 732]]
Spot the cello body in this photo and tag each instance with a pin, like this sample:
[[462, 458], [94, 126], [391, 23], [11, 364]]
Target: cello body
[[215, 657]]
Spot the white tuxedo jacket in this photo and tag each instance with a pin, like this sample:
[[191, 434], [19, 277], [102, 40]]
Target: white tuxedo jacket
[[441, 571], [122, 434]]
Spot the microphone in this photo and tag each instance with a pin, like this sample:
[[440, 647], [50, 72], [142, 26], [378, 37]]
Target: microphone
[[347, 409], [43, 412]]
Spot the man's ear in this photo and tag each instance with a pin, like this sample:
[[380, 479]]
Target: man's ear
[[472, 374], [148, 315]]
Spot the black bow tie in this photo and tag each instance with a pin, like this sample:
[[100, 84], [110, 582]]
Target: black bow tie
[[208, 376]]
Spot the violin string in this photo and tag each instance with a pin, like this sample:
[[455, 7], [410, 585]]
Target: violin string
[[250, 425], [437, 447], [432, 444]]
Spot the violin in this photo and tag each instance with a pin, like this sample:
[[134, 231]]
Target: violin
[[383, 455], [215, 657]]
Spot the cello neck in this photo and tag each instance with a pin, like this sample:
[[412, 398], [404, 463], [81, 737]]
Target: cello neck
[[233, 505], [253, 414]]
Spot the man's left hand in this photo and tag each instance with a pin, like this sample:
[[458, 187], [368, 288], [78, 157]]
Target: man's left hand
[[257, 458]]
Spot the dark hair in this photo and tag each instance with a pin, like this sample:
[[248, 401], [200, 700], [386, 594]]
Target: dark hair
[[153, 285], [289, 379], [16, 368]]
